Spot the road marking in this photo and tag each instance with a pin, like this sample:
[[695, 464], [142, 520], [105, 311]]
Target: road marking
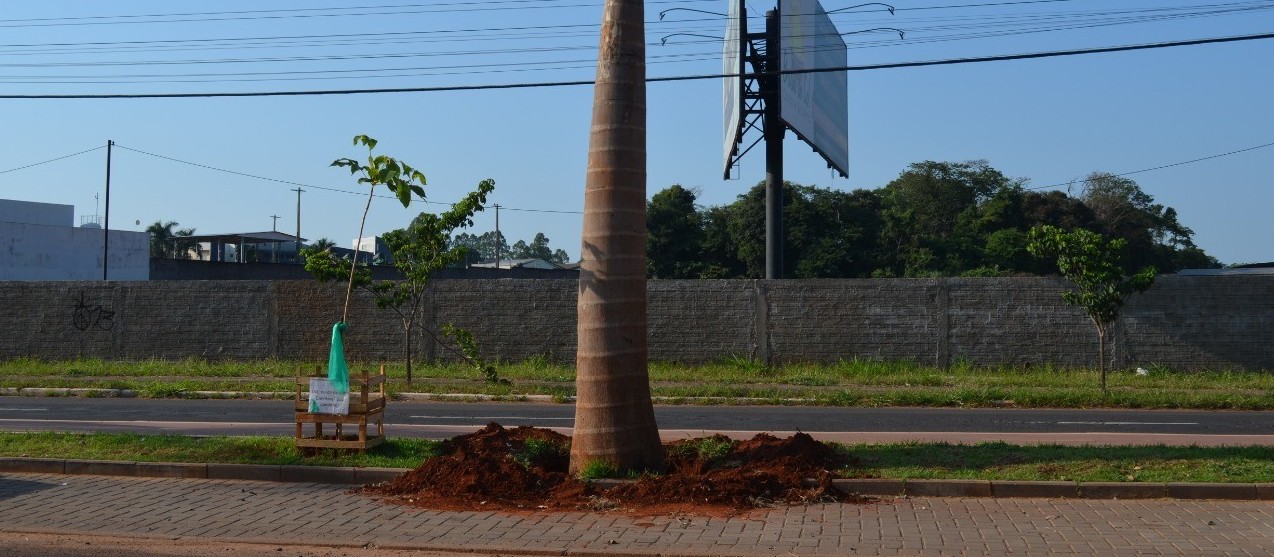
[[24, 409], [1127, 423], [485, 418]]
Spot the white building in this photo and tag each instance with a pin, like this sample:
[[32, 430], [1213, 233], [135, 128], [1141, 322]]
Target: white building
[[374, 247], [39, 241]]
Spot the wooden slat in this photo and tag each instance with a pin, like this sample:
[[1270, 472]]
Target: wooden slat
[[308, 418], [366, 406], [339, 444], [355, 407]]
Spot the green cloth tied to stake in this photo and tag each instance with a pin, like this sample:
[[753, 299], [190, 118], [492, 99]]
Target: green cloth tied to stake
[[337, 371]]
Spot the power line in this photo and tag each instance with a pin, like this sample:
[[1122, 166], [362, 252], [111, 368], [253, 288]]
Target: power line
[[1182, 163], [986, 26], [299, 184], [50, 160], [256, 15], [310, 41], [1030, 56]]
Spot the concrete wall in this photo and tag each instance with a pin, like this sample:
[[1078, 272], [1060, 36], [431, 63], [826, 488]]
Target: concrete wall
[[32, 212], [1183, 322], [44, 252]]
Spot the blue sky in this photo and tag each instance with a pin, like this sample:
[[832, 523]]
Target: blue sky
[[1051, 121]]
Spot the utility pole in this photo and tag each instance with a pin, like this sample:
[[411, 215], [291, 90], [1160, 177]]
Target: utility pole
[[497, 237], [298, 224], [106, 224], [274, 246]]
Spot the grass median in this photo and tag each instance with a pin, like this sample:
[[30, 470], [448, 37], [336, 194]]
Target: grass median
[[983, 461], [733, 381]]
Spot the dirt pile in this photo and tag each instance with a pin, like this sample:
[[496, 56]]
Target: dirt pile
[[515, 468], [526, 469]]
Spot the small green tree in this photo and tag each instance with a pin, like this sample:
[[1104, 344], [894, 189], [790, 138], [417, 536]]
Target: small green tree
[[420, 251], [1092, 263], [399, 177]]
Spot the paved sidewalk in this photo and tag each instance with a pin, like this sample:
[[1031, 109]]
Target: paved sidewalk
[[316, 514]]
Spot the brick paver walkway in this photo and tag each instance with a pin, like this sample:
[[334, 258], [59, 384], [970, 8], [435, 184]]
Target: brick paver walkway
[[327, 514]]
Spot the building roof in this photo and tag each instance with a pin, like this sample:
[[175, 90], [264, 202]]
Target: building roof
[[1249, 269], [531, 263], [268, 237]]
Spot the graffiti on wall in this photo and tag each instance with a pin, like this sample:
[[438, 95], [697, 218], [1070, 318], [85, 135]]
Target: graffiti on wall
[[91, 316]]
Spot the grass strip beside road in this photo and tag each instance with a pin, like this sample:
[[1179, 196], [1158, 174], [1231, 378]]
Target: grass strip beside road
[[983, 461], [846, 383], [133, 447], [1002, 461]]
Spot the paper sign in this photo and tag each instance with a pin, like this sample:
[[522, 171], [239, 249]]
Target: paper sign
[[325, 400]]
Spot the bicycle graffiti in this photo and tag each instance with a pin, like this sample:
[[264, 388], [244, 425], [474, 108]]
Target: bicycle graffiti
[[87, 316]]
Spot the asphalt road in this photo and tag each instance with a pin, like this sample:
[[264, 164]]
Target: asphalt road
[[444, 419]]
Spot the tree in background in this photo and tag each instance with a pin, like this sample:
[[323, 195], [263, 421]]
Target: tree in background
[[674, 235], [936, 216], [167, 243], [1094, 265], [614, 417], [538, 249], [830, 233], [1153, 233], [322, 244], [935, 219], [483, 247], [419, 251]]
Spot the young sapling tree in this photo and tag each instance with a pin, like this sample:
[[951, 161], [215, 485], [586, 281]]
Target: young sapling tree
[[1092, 263]]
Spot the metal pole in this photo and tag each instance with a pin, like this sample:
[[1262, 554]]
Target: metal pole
[[771, 87], [298, 223], [497, 237], [106, 224]]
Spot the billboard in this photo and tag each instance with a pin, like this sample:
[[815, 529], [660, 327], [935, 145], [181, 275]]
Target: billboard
[[733, 88], [815, 105]]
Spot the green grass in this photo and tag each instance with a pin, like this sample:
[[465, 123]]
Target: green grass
[[856, 382], [598, 469], [983, 461], [539, 450], [709, 449], [1001, 461], [132, 447]]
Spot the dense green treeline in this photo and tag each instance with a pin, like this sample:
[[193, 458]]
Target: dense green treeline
[[935, 219]]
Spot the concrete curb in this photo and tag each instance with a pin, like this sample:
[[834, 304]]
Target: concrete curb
[[864, 486], [210, 471]]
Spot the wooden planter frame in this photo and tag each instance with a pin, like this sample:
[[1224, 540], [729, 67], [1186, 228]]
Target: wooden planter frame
[[366, 406]]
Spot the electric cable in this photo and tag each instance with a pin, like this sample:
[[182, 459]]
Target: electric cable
[[527, 85], [299, 184], [51, 160], [1161, 167]]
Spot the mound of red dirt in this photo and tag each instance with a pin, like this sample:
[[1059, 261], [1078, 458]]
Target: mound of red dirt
[[522, 467], [526, 468]]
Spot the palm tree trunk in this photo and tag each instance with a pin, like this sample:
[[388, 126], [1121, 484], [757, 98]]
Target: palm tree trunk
[[614, 419]]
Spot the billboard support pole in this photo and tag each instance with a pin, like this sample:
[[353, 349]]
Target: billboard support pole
[[773, 127]]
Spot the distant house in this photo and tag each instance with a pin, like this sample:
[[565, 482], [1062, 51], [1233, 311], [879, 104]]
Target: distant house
[[1249, 269], [39, 241], [533, 263], [243, 247], [373, 249]]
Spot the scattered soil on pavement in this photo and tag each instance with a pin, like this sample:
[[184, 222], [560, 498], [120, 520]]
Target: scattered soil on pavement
[[525, 468]]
